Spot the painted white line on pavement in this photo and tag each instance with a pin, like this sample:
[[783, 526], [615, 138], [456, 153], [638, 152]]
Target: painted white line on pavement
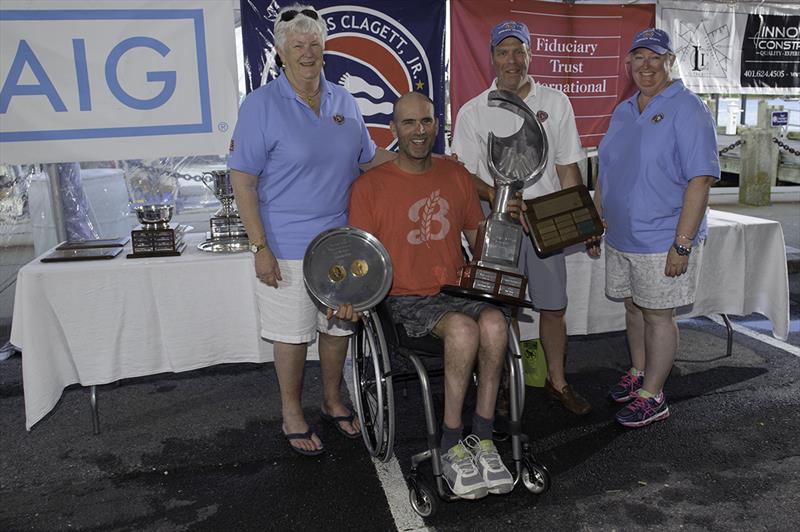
[[774, 342], [392, 480]]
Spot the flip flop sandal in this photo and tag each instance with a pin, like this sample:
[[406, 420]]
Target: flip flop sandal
[[303, 436], [335, 420]]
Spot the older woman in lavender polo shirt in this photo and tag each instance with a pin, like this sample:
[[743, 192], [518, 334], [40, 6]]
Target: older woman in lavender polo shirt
[[298, 145], [657, 162]]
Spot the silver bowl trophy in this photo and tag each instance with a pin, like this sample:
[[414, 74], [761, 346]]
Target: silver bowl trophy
[[515, 162], [227, 230], [156, 236], [347, 265]]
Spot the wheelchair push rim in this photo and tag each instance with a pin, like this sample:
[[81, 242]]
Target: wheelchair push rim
[[372, 380]]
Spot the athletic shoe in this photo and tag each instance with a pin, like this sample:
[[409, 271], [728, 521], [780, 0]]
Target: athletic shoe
[[625, 389], [461, 473], [643, 411], [497, 477]]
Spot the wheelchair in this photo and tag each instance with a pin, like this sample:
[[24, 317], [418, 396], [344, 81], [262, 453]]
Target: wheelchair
[[377, 342]]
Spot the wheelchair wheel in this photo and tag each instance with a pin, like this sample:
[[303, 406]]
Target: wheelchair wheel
[[422, 498], [535, 476], [374, 396]]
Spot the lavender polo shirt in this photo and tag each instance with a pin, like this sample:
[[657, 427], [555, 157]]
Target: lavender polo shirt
[[646, 163], [305, 163]]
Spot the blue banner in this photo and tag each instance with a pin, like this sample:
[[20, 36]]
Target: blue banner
[[377, 49]]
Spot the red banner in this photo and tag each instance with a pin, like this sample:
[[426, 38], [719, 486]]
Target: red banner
[[577, 48]]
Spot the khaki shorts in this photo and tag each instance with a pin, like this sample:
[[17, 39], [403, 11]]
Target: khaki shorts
[[640, 276], [289, 314]]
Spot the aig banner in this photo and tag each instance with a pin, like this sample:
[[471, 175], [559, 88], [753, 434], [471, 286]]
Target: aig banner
[[97, 80], [735, 48], [377, 49], [576, 48]]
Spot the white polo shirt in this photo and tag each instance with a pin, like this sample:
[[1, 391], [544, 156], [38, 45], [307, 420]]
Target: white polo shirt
[[476, 119]]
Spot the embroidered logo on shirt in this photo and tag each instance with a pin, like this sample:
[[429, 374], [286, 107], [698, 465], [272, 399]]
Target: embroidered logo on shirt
[[541, 116], [339, 119], [428, 213], [657, 118]]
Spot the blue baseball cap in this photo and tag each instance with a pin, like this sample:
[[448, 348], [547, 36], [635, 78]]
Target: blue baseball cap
[[652, 39], [510, 28]]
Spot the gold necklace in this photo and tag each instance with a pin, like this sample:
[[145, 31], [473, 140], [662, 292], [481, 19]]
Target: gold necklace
[[309, 98]]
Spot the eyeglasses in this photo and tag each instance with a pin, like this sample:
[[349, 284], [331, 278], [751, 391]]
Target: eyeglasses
[[289, 15]]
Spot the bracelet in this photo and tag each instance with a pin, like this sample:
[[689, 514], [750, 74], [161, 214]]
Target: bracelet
[[690, 239]]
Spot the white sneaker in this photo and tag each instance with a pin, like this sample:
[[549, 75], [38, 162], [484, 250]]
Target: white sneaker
[[461, 473], [495, 474]]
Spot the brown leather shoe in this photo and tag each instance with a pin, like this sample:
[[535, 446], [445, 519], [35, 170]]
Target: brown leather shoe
[[571, 400]]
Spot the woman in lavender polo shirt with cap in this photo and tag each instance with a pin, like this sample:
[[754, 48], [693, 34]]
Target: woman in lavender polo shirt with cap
[[298, 145], [657, 162]]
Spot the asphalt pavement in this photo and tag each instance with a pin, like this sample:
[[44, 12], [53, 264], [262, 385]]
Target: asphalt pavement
[[202, 450]]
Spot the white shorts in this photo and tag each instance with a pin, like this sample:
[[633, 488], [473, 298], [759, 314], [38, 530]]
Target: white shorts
[[640, 276], [289, 314]]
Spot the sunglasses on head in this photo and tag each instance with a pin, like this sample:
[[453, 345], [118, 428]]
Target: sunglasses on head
[[286, 16]]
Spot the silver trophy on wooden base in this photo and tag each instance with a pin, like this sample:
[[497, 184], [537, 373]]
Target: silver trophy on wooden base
[[515, 162], [227, 230]]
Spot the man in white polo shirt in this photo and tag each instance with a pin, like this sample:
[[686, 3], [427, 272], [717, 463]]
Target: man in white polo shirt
[[511, 54]]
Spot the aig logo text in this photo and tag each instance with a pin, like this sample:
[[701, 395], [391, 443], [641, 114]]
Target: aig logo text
[[80, 74]]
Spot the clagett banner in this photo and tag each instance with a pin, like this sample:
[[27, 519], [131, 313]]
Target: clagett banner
[[735, 47], [576, 48], [121, 79], [378, 50]]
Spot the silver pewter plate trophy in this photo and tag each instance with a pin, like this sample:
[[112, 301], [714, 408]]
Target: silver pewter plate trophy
[[515, 162], [227, 230], [347, 265]]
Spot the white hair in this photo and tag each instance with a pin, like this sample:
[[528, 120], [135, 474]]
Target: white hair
[[299, 24]]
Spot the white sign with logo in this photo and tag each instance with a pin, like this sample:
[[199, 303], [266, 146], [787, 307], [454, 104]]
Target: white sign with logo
[[107, 80], [734, 48]]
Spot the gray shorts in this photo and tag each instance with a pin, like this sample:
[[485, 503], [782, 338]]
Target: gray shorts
[[641, 277], [547, 277], [420, 314]]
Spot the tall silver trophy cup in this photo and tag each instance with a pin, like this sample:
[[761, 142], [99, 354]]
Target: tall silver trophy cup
[[515, 162], [227, 230]]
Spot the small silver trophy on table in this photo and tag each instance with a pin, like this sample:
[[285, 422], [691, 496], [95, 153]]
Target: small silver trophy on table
[[515, 162], [156, 236], [227, 230]]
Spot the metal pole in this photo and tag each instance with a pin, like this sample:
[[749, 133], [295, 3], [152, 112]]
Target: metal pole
[[54, 183]]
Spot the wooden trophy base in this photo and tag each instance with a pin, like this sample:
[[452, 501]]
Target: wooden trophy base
[[492, 284]]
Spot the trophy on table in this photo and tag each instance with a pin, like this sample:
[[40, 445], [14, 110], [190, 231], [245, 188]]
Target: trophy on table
[[514, 162], [157, 236], [227, 230]]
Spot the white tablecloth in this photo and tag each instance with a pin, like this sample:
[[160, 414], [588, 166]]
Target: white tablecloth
[[743, 271], [97, 322]]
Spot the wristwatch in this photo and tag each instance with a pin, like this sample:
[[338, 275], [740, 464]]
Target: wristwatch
[[683, 251], [255, 248]]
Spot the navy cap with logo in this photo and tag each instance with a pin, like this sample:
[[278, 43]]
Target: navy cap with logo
[[510, 28], [653, 39]]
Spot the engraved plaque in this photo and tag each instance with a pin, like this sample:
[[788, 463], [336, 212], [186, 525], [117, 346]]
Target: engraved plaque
[[562, 219]]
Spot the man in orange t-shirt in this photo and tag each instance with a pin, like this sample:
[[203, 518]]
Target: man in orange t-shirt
[[418, 206]]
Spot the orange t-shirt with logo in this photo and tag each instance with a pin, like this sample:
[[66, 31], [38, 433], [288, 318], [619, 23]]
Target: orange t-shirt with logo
[[419, 219]]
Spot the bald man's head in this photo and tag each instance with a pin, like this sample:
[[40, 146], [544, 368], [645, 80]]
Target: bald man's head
[[415, 126], [410, 96]]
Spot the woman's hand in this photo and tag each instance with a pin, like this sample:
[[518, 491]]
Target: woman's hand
[[676, 264], [267, 269]]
